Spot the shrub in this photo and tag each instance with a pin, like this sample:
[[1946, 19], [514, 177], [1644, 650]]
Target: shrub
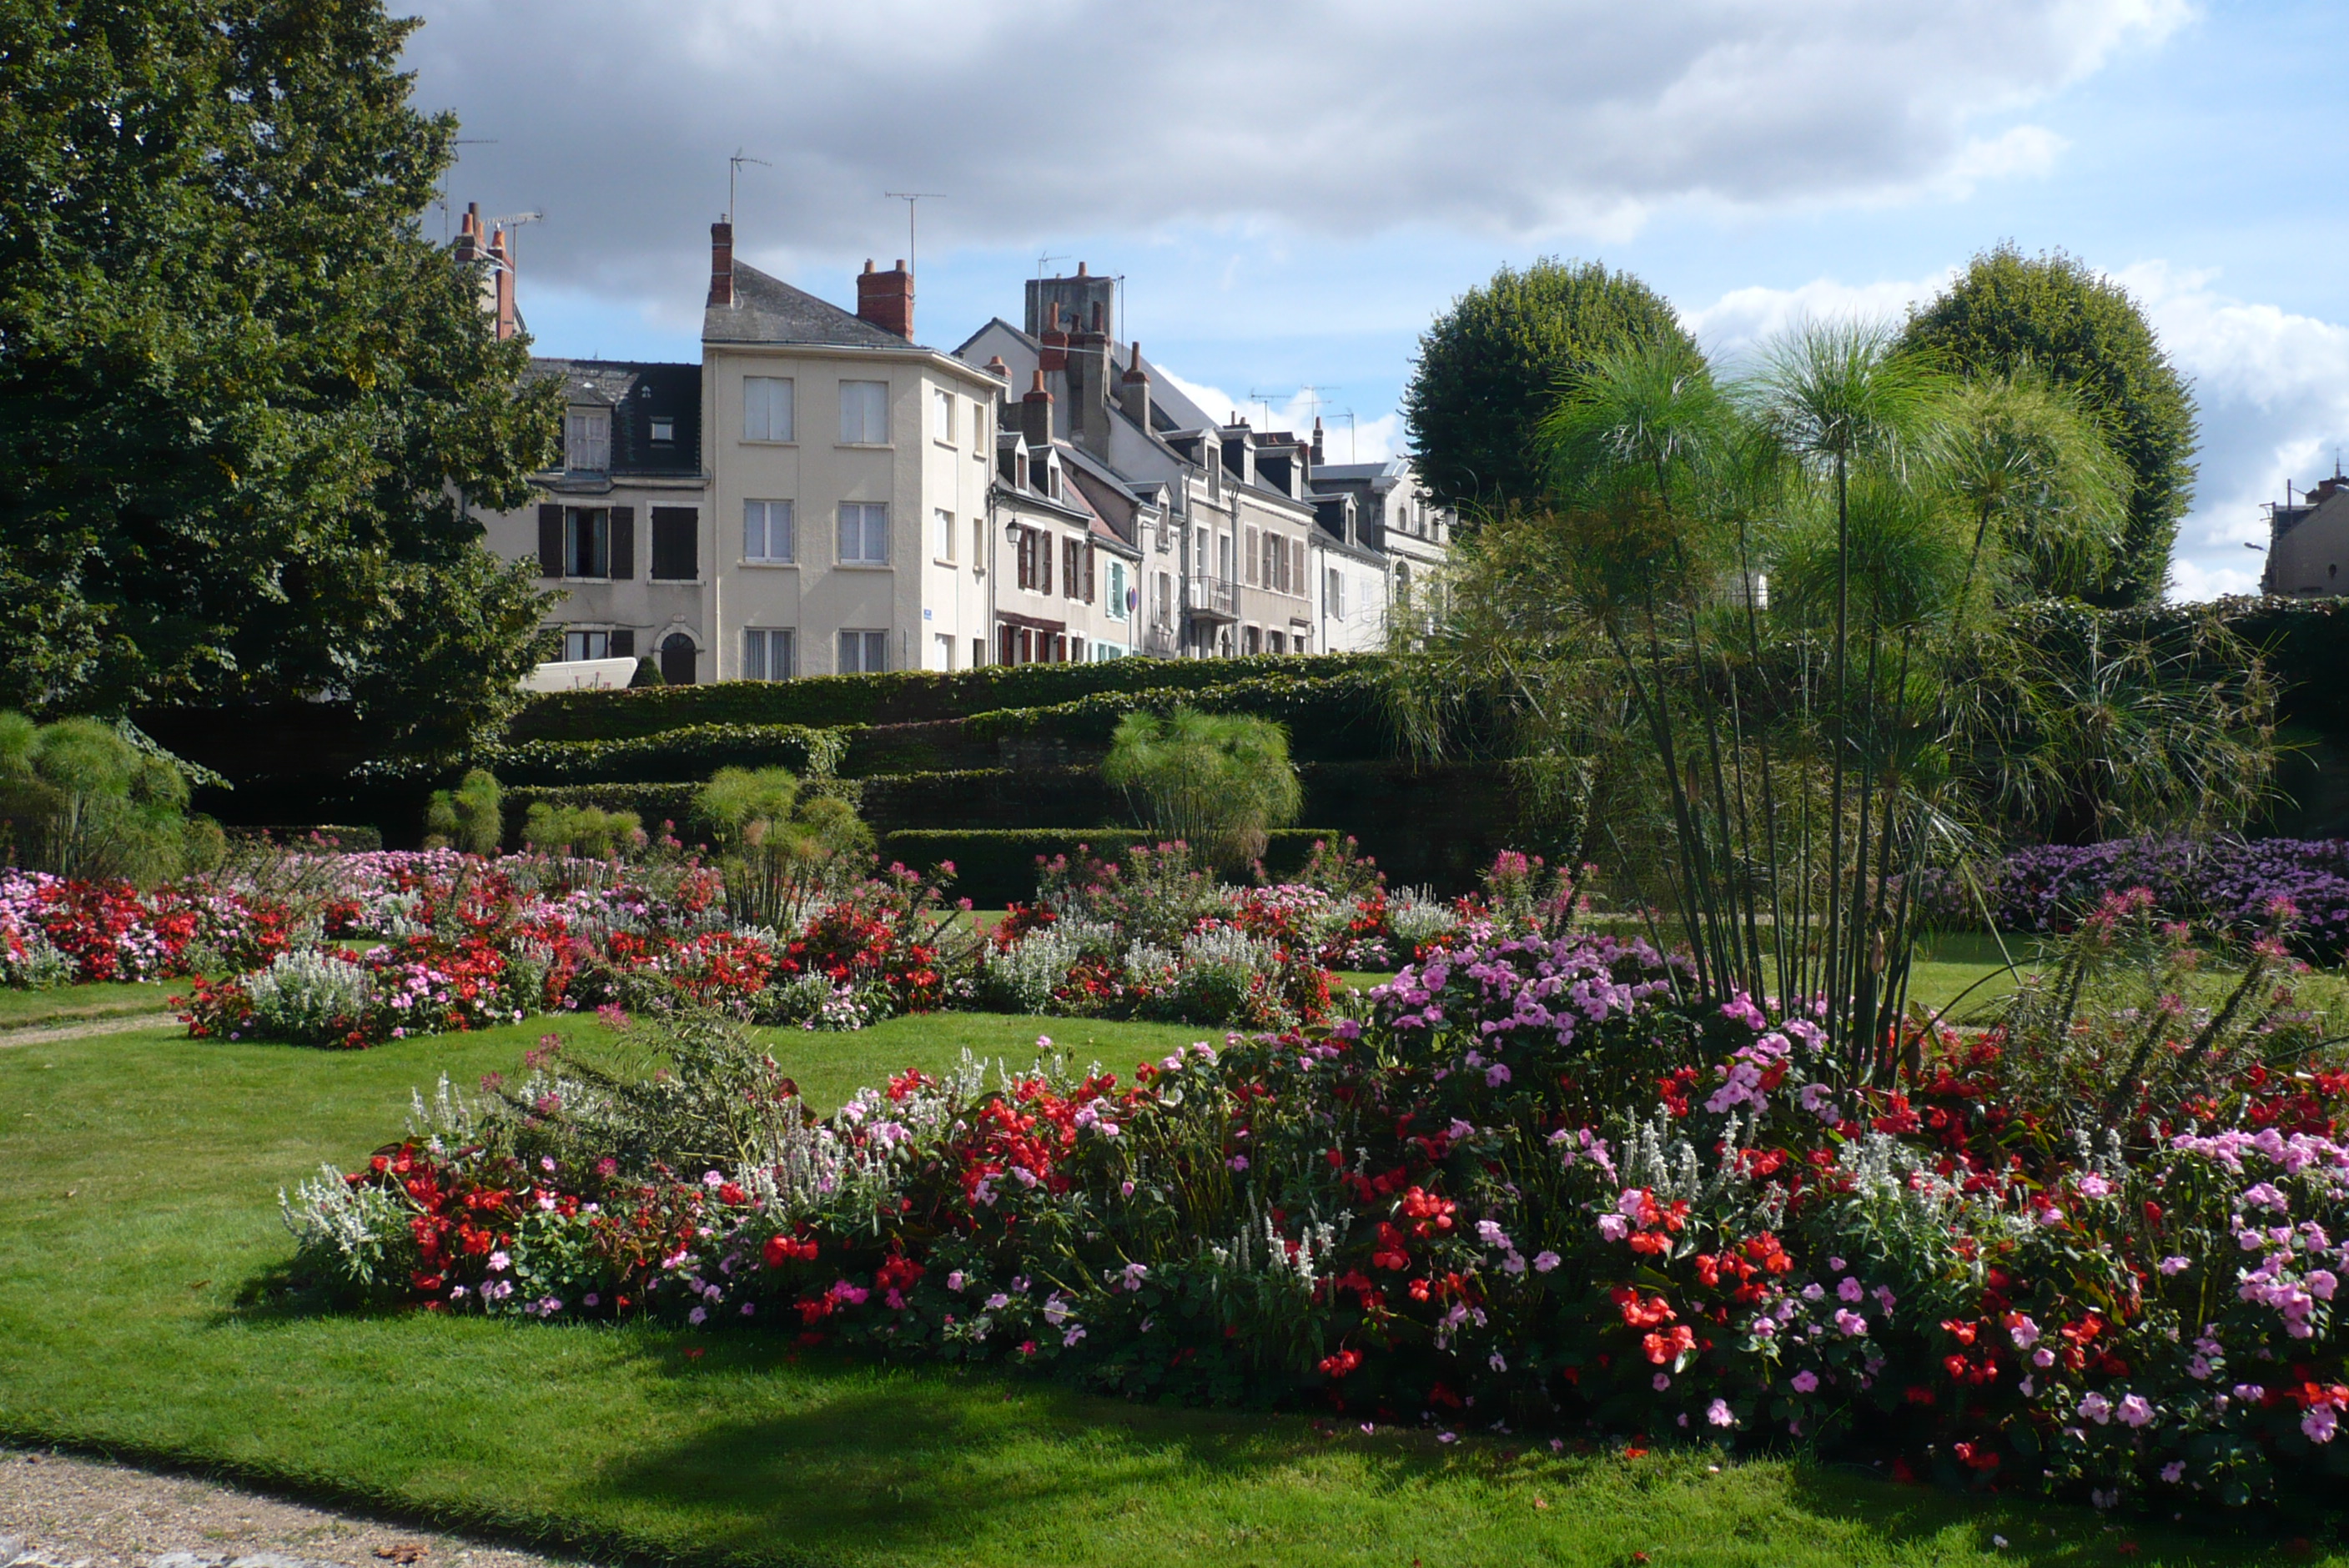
[[1217, 781], [469, 818], [80, 800], [786, 849], [588, 831], [309, 998]]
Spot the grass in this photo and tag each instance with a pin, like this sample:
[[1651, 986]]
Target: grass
[[138, 1225], [69, 1003]]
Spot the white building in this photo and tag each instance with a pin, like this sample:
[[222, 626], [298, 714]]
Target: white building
[[1398, 530]]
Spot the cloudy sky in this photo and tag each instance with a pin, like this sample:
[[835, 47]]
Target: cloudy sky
[[1292, 190]]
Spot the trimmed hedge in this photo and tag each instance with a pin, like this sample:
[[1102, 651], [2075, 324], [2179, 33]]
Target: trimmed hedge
[[910, 697], [696, 751], [992, 798], [342, 838], [993, 868]]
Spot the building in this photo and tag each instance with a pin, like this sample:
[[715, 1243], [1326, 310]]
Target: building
[[2308, 542], [823, 495]]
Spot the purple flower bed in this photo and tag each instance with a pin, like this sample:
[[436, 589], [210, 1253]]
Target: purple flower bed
[[2227, 885]]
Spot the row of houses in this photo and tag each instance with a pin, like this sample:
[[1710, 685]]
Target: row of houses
[[823, 495]]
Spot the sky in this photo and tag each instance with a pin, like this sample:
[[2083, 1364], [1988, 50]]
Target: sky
[[1292, 191]]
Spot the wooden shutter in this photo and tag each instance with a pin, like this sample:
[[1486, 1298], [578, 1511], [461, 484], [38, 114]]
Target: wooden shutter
[[624, 543], [623, 644], [677, 538], [550, 540], [1091, 568]]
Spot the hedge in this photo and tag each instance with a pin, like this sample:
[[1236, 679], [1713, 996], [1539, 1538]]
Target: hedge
[[669, 801], [907, 698], [993, 868], [340, 838], [695, 752]]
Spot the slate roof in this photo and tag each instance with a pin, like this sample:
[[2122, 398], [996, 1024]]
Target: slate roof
[[769, 310], [636, 392]]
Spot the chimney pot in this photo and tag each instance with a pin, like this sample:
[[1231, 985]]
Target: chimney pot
[[1081, 269], [886, 299], [997, 368], [868, 263], [1134, 370], [1036, 414], [901, 264]]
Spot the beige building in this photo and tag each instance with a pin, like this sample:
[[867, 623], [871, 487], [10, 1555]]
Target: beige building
[[2308, 544]]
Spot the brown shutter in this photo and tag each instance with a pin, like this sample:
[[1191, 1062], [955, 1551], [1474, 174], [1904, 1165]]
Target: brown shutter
[[624, 543], [623, 644], [1091, 571], [550, 540]]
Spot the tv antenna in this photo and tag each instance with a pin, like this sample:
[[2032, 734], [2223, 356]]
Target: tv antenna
[[733, 172], [1041, 262], [1263, 400], [1313, 400], [511, 223], [1348, 415], [913, 199], [458, 141]]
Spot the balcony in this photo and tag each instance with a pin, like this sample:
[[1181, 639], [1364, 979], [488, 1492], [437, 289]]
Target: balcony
[[1211, 599]]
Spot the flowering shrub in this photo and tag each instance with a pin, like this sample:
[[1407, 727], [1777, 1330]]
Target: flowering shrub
[[1538, 1187], [2226, 886]]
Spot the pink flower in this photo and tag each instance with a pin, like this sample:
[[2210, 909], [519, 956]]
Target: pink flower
[[1807, 1381], [1614, 1227], [2135, 1412], [1719, 1414], [1850, 1289], [2319, 1423], [1545, 1261]]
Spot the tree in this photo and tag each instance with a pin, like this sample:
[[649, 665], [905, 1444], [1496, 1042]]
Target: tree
[[1493, 365], [246, 407], [1219, 783], [2012, 314]]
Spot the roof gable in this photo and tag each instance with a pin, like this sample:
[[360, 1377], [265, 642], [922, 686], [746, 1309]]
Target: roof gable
[[769, 310]]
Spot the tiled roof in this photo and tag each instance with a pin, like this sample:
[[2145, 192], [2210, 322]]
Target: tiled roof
[[769, 310]]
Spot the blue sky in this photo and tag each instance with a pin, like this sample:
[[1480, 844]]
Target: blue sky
[[1293, 190]]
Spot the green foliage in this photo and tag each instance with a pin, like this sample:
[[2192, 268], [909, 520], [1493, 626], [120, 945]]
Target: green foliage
[[249, 407], [690, 752], [1331, 718], [469, 817], [786, 848], [2053, 314], [2048, 494], [1491, 366], [1218, 783], [995, 866], [588, 831], [648, 674], [78, 799], [906, 697]]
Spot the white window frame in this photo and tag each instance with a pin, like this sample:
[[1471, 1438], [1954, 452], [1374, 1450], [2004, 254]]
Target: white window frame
[[579, 642], [943, 521], [661, 429], [863, 413], [942, 412], [759, 520], [860, 524], [861, 660], [978, 546], [770, 653], [760, 397], [587, 440], [1116, 590]]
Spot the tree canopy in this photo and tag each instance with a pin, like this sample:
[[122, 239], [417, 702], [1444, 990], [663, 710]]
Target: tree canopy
[[246, 405], [2051, 315], [1491, 367]]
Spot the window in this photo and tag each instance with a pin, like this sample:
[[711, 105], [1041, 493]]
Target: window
[[1250, 641], [664, 429], [944, 648], [864, 533], [587, 645], [1296, 582], [1255, 557], [1333, 592], [766, 412], [1224, 556], [864, 413], [1272, 643], [676, 537], [863, 653], [1076, 570], [587, 439], [1117, 590], [767, 653], [586, 542], [977, 652], [1162, 607], [769, 534], [942, 415], [1035, 561], [943, 522], [978, 548]]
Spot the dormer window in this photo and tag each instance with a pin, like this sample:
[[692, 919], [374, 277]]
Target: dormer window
[[587, 440], [664, 429]]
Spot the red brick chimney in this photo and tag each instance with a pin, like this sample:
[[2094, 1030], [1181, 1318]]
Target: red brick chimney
[[722, 264], [886, 299], [1036, 414], [503, 281], [1055, 356]]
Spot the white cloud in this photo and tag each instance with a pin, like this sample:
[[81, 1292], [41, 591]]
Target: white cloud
[[1516, 118], [2272, 389], [1363, 440]]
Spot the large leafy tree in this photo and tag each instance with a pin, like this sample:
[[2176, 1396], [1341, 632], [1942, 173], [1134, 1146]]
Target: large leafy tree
[[1491, 366], [246, 405], [2052, 317]]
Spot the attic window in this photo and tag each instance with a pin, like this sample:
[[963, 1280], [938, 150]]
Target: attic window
[[587, 440], [664, 428]]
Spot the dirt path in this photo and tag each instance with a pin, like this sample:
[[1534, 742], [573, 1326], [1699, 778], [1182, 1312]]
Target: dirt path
[[79, 1028], [58, 1512]]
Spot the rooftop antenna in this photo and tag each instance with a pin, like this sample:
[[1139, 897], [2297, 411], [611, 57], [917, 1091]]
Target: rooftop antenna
[[1313, 400], [510, 222], [733, 172], [1348, 415], [1264, 399], [913, 199], [1042, 261]]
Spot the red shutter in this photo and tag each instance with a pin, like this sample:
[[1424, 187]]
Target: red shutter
[[624, 543], [550, 540]]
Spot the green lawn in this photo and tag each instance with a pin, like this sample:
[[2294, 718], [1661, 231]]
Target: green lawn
[[138, 1231], [66, 1004]]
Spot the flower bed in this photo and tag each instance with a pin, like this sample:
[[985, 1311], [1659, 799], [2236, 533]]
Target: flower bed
[[1535, 1190]]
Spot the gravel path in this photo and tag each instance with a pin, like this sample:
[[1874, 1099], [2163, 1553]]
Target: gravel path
[[58, 1512], [82, 1027]]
